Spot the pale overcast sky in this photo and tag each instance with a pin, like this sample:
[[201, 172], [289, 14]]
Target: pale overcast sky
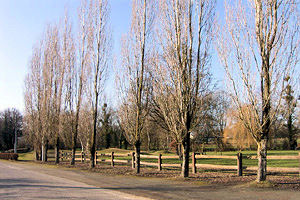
[[22, 23]]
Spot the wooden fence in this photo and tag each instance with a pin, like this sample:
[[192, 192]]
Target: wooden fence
[[114, 158]]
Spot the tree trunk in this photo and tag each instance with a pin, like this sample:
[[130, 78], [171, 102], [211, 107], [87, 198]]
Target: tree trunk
[[186, 154], [81, 144], [179, 151], [87, 148], [149, 140], [125, 144], [137, 148], [292, 140], [92, 156], [120, 143], [93, 138], [74, 143], [16, 141], [44, 150], [262, 160], [57, 151], [108, 139], [266, 121], [73, 156], [40, 153], [37, 155]]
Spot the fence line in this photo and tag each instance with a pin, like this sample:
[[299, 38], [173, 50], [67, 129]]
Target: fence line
[[114, 158]]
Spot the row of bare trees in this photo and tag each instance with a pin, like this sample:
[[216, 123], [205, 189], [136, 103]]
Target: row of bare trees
[[164, 79], [166, 69], [66, 74]]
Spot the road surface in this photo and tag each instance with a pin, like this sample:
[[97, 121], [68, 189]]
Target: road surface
[[19, 180], [19, 183]]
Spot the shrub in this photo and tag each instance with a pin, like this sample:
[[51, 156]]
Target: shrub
[[9, 156], [173, 146], [285, 145], [19, 150]]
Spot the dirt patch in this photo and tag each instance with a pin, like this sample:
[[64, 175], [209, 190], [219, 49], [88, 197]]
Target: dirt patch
[[203, 177], [286, 182]]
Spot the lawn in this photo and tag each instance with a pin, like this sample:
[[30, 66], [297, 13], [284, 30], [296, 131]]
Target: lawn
[[253, 153], [214, 161], [219, 161], [26, 156]]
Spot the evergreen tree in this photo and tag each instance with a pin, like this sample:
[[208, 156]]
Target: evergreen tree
[[290, 105]]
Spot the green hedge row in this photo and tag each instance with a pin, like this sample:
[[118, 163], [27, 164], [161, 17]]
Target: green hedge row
[[9, 156]]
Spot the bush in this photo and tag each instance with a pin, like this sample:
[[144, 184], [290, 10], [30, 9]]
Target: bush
[[19, 150], [9, 156], [285, 145]]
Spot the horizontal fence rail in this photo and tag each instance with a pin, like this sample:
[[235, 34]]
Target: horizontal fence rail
[[129, 159], [213, 156], [277, 157]]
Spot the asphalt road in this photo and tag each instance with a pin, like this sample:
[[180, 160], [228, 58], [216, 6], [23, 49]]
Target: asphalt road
[[19, 183], [21, 180]]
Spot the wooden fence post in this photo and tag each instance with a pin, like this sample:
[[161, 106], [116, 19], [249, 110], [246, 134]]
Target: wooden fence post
[[132, 160], [112, 159], [194, 169], [159, 162], [240, 164], [59, 155], [82, 156], [95, 159]]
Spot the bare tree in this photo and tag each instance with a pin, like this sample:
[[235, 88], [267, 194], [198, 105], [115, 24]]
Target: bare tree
[[214, 118], [78, 75], [67, 59], [259, 46], [99, 44], [85, 127], [32, 101], [57, 83], [52, 72], [39, 85], [133, 87], [182, 76], [43, 84]]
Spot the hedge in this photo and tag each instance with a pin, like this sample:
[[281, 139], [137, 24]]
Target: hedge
[[19, 150], [9, 156]]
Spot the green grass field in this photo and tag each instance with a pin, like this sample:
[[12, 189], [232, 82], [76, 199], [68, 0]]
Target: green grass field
[[26, 156], [214, 161], [253, 153], [218, 161]]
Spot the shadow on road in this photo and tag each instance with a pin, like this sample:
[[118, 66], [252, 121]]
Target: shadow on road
[[24, 182], [19, 180]]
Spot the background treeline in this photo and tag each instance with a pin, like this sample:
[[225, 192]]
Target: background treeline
[[167, 97], [10, 125], [221, 133]]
